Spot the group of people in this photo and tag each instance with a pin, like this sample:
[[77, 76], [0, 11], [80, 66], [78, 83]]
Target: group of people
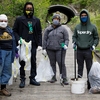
[[54, 43]]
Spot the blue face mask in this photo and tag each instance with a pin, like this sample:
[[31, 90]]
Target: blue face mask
[[84, 19]]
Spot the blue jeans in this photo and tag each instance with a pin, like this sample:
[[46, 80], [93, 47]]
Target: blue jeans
[[5, 66]]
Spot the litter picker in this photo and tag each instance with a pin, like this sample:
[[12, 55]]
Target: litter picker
[[61, 79], [75, 64]]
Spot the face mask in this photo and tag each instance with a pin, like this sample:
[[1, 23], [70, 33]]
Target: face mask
[[29, 12], [3, 24], [56, 22], [84, 19]]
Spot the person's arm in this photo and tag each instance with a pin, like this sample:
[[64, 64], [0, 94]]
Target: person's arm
[[39, 30], [74, 37], [16, 29], [66, 37], [96, 37], [45, 36]]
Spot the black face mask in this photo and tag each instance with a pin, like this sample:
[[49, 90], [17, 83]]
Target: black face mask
[[29, 12]]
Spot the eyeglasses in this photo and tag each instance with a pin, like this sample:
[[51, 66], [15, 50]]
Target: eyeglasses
[[3, 21]]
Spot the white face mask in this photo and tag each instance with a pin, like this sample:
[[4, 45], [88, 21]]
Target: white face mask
[[3, 24]]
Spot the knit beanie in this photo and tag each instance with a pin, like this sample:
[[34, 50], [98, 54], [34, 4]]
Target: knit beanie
[[56, 16]]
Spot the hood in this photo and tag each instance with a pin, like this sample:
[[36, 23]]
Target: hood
[[84, 10], [30, 3]]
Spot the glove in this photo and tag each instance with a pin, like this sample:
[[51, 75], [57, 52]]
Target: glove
[[74, 46], [16, 55], [21, 41], [92, 48], [44, 52], [39, 48], [65, 47]]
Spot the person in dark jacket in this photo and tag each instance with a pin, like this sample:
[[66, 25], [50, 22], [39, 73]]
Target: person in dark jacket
[[85, 39], [54, 36], [28, 27], [7, 53]]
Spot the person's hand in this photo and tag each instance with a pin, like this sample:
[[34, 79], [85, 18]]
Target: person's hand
[[74, 46], [39, 48], [93, 48], [44, 52], [17, 55], [65, 47], [21, 41]]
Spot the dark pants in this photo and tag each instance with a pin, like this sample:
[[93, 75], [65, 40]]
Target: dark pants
[[55, 56], [84, 55], [33, 64]]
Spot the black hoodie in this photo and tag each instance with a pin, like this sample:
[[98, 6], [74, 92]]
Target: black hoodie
[[24, 10]]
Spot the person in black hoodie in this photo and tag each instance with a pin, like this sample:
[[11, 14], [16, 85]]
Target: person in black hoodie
[[28, 27]]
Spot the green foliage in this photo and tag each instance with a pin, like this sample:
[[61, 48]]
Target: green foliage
[[74, 21], [14, 8], [41, 8], [63, 2], [80, 3], [94, 5]]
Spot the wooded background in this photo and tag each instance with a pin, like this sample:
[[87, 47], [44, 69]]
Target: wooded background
[[14, 8]]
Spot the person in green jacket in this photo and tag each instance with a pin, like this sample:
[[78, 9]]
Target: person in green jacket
[[85, 39]]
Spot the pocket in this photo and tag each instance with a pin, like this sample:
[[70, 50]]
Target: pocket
[[54, 45]]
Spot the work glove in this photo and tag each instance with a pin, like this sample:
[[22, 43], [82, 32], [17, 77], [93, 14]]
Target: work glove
[[64, 46], [39, 48], [21, 41], [17, 55], [92, 48], [44, 52], [74, 46]]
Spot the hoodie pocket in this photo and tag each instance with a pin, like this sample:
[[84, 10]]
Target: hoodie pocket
[[61, 41], [54, 45]]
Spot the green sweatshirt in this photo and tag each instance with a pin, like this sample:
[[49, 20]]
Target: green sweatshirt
[[85, 35]]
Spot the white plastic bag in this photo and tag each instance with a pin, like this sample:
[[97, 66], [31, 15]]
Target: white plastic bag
[[94, 77], [24, 52], [44, 70], [95, 70], [15, 67], [10, 82], [94, 90]]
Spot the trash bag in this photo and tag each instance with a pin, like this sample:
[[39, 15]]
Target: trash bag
[[94, 90], [44, 70], [10, 82], [94, 77], [15, 67], [24, 52]]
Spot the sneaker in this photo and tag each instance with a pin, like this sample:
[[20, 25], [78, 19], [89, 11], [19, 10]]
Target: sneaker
[[5, 92], [53, 80], [65, 81]]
